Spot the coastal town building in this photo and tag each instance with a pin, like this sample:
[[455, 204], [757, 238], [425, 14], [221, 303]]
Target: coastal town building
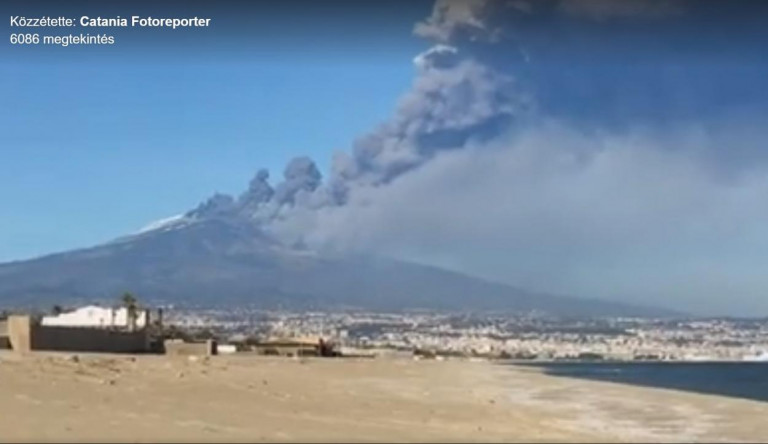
[[27, 334], [307, 346], [97, 317]]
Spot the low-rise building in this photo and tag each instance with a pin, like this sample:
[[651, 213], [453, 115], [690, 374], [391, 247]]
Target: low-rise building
[[97, 317], [26, 334], [294, 347]]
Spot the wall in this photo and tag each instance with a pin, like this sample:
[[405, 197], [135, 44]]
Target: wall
[[88, 340], [5, 342], [180, 348], [19, 333], [287, 350], [26, 336]]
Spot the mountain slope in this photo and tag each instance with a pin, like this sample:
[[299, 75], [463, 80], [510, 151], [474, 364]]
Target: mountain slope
[[216, 261]]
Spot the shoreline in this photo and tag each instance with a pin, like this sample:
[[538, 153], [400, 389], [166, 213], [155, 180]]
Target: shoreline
[[532, 362], [49, 397], [729, 379]]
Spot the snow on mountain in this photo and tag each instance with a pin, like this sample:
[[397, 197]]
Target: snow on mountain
[[164, 223]]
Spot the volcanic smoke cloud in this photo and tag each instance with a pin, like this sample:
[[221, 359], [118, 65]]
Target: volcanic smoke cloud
[[516, 157]]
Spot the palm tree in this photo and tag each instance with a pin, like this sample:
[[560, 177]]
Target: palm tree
[[132, 307]]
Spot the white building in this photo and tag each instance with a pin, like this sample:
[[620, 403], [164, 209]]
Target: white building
[[759, 357], [223, 349], [95, 316]]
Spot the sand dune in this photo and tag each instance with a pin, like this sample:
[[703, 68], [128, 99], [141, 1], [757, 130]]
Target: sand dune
[[53, 397]]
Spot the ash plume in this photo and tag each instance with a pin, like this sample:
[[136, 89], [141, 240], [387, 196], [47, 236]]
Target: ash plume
[[511, 158], [456, 98]]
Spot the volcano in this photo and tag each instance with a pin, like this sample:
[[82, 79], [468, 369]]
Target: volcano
[[214, 258]]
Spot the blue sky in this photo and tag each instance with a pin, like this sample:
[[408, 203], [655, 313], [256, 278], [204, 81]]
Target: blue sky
[[98, 143]]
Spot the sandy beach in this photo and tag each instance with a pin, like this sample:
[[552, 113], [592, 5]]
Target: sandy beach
[[64, 397]]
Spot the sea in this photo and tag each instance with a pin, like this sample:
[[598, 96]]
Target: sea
[[748, 380]]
